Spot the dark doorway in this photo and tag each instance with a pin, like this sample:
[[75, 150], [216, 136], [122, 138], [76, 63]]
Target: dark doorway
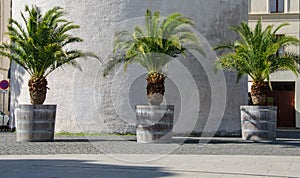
[[283, 96]]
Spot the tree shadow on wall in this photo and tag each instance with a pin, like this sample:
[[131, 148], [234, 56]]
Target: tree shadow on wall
[[16, 81]]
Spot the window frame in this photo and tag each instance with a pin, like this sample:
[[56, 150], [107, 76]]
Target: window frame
[[277, 6]]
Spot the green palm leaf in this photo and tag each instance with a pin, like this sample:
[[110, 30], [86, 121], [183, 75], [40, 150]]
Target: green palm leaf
[[256, 53], [39, 47], [155, 44]]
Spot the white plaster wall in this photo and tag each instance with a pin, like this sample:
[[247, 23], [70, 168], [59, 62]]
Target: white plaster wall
[[87, 102], [293, 6], [258, 6]]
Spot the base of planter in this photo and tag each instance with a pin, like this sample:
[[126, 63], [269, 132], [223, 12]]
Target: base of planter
[[259, 123], [35, 123], [154, 123]]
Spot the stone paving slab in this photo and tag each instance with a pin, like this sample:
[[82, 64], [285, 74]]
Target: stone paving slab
[[128, 145], [138, 165]]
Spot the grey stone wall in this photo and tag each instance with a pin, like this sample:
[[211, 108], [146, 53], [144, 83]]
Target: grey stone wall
[[204, 100]]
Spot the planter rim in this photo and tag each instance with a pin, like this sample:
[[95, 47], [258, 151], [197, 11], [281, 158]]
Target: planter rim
[[257, 107], [155, 105], [140, 106], [36, 106]]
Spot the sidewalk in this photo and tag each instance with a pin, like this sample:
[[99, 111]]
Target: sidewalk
[[115, 166], [113, 156]]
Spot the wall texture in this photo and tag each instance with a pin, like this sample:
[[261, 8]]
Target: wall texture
[[204, 100]]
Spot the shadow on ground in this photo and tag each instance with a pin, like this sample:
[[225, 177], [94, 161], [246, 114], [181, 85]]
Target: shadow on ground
[[279, 141], [284, 137], [75, 168]]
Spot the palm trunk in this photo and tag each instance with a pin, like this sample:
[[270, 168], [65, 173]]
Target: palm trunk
[[155, 88], [259, 93], [37, 89]]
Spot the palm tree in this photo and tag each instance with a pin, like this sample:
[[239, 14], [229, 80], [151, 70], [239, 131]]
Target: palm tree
[[153, 46], [258, 55], [40, 48]]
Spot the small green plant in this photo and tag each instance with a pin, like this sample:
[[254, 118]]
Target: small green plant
[[82, 134]]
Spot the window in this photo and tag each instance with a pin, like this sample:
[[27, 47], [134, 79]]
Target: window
[[276, 6]]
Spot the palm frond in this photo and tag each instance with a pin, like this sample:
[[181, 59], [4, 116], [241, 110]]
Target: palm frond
[[256, 53], [39, 47], [150, 45]]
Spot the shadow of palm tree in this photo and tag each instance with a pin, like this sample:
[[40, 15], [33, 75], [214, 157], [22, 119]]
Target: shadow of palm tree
[[16, 81]]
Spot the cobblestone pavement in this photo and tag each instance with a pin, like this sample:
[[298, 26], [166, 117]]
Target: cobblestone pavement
[[128, 145]]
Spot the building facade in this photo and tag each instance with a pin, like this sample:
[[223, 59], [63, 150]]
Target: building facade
[[286, 86], [204, 101], [5, 14]]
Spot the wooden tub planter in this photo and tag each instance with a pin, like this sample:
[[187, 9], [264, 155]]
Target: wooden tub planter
[[154, 123], [35, 123], [259, 123]]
